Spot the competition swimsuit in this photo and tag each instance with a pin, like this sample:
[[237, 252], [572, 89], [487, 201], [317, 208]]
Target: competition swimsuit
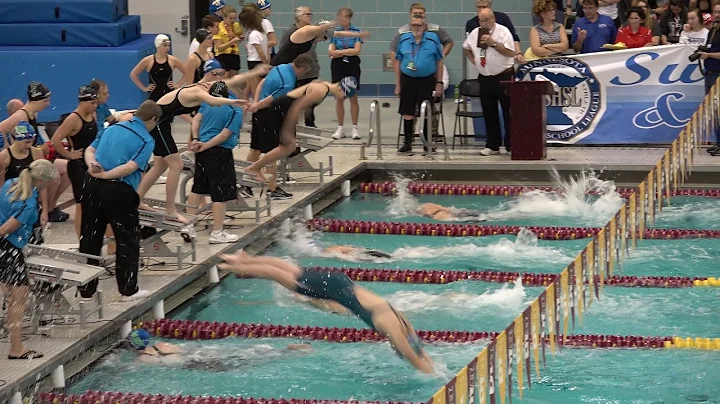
[[338, 287]]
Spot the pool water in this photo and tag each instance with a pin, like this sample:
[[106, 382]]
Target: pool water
[[370, 371]]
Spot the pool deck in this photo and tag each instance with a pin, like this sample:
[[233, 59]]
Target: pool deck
[[74, 347]]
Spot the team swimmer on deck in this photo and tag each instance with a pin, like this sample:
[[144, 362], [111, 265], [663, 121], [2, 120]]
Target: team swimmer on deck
[[439, 212], [335, 292], [183, 101], [288, 108]]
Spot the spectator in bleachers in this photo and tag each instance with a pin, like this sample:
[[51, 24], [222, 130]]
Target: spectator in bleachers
[[548, 37], [696, 33], [267, 26], [345, 55], [609, 8], [650, 22], [18, 213], [227, 40], [635, 34], [115, 161], [490, 47], [672, 22], [703, 6], [500, 18], [214, 134], [711, 62], [160, 67], [418, 72], [216, 8], [210, 23], [559, 14], [593, 31], [418, 10]]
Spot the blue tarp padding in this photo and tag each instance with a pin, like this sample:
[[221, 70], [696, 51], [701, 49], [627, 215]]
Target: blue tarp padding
[[64, 70], [115, 33], [66, 11]]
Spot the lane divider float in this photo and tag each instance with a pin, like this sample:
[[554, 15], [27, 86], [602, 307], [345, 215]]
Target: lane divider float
[[205, 330], [390, 188], [106, 397], [416, 276], [473, 230]]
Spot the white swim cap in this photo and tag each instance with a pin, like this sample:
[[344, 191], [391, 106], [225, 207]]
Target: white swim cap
[[160, 39]]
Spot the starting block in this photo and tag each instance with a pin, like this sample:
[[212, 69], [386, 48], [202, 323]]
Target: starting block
[[154, 246], [309, 140], [62, 269]]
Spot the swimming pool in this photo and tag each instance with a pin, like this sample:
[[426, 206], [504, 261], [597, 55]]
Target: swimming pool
[[369, 371]]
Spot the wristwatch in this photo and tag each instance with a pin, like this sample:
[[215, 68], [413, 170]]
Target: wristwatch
[[493, 45], [440, 82]]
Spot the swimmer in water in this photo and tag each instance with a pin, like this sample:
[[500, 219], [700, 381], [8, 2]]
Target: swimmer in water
[[439, 212], [335, 292], [357, 252], [163, 353]]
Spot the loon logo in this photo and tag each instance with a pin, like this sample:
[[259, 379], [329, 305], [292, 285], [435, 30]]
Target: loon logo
[[661, 114], [577, 104]]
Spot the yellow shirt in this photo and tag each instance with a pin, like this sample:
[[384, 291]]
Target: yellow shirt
[[225, 37]]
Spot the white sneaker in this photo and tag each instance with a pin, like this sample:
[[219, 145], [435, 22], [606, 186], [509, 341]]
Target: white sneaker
[[188, 232], [162, 180], [489, 152], [339, 133], [222, 237], [355, 133], [504, 152], [139, 295]]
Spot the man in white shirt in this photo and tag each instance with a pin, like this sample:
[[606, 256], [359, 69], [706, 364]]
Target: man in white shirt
[[490, 47], [610, 9]]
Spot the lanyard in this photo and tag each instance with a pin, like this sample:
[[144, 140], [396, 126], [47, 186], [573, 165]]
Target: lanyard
[[415, 50]]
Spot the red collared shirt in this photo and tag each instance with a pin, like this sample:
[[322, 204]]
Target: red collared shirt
[[634, 39]]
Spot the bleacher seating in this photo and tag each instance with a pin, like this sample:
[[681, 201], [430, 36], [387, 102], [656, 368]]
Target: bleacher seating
[[67, 43]]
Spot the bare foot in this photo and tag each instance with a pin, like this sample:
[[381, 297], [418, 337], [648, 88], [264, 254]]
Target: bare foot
[[180, 218], [144, 206], [258, 176]]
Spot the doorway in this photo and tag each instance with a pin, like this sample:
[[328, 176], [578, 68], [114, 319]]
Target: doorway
[[198, 10]]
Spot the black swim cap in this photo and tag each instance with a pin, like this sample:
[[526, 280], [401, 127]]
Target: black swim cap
[[202, 34], [37, 91], [219, 89], [86, 93]]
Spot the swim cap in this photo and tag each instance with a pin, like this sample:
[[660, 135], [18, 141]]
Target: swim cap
[[202, 34], [23, 131], [211, 65], [139, 339], [160, 39], [216, 5], [219, 89], [86, 93], [348, 85], [263, 4], [37, 91]]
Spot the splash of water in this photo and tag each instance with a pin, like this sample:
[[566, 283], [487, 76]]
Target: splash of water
[[583, 195], [404, 203], [300, 241], [507, 298]]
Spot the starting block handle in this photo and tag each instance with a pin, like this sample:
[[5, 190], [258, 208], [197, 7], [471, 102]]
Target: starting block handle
[[57, 253], [311, 137]]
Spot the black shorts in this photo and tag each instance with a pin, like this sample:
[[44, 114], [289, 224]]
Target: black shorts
[[341, 69], [76, 170], [215, 174], [229, 61], [164, 142], [251, 65], [413, 91], [268, 123], [12, 265]]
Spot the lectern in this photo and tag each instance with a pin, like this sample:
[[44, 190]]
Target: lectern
[[528, 118]]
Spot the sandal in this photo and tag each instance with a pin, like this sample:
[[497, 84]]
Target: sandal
[[27, 355]]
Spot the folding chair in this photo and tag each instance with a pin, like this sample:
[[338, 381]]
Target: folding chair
[[467, 88], [437, 123]]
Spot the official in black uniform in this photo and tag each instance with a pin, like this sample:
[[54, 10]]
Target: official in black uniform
[[116, 160]]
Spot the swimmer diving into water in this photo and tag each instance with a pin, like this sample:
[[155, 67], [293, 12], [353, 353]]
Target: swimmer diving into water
[[336, 292], [439, 212]]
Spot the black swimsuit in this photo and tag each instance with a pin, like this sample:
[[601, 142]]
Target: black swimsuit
[[282, 105], [290, 51], [199, 72], [160, 74], [162, 134], [77, 169]]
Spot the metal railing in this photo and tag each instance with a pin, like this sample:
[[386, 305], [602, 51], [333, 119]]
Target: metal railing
[[431, 144], [375, 129]]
